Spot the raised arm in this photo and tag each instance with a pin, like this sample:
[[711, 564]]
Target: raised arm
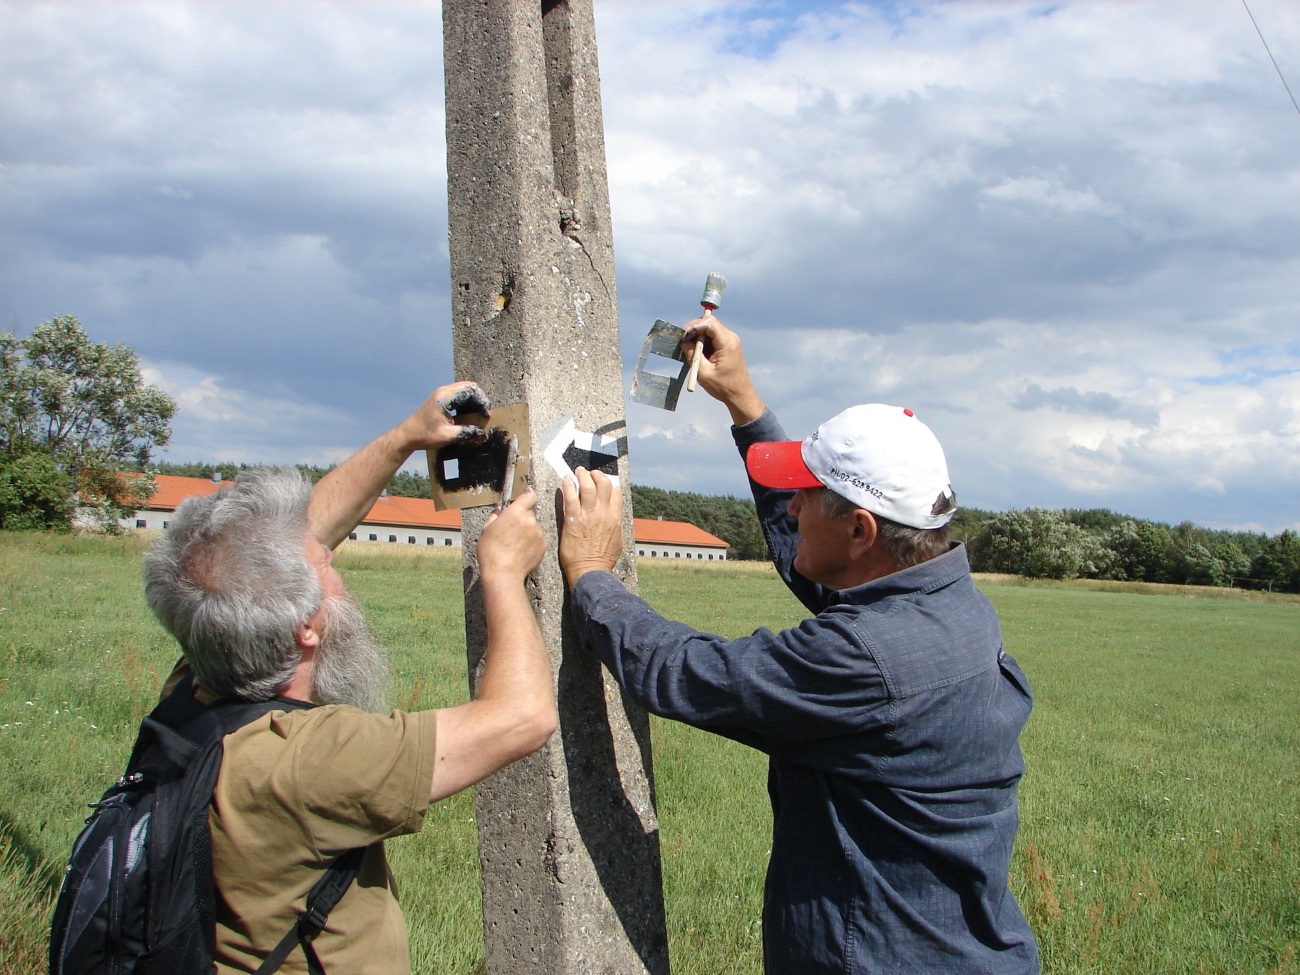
[[343, 496], [513, 711], [723, 372]]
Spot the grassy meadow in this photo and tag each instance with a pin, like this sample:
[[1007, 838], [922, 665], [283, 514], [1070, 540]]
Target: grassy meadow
[[1160, 813]]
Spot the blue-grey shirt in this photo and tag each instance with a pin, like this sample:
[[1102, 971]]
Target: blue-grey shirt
[[892, 720]]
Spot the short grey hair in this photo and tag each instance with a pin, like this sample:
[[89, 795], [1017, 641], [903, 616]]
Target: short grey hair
[[231, 582], [906, 545]]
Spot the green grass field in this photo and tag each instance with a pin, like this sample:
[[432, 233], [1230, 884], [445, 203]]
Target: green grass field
[[1161, 809]]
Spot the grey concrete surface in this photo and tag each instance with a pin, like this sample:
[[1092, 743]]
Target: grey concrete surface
[[568, 838]]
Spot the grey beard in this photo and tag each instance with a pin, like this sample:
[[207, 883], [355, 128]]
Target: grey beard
[[350, 666]]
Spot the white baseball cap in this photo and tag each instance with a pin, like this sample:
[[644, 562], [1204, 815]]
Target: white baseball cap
[[880, 457]]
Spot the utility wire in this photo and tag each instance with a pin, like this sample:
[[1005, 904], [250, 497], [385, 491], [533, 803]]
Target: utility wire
[[1270, 55]]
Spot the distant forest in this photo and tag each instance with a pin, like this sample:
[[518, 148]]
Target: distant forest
[[1093, 543]]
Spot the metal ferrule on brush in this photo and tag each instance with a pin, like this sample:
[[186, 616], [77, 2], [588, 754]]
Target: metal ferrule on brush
[[713, 288]]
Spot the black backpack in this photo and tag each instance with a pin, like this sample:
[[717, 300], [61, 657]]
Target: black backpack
[[137, 895]]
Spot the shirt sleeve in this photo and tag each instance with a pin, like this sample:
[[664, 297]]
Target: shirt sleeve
[[779, 529], [772, 691]]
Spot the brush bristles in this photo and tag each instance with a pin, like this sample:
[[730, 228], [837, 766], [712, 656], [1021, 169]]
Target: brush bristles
[[713, 288]]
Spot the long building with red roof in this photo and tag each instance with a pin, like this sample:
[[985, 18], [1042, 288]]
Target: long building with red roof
[[415, 521]]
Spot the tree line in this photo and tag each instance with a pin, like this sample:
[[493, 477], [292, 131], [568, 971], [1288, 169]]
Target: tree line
[[1099, 544], [1066, 544], [78, 427]]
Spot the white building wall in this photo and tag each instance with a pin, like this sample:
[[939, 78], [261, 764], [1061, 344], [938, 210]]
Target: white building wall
[[667, 550], [147, 519], [407, 535], [447, 538]]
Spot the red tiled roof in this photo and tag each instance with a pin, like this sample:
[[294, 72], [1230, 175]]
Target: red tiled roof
[[411, 512], [171, 490], [674, 533], [421, 513]]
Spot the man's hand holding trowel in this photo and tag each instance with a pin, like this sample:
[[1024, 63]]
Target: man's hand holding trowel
[[704, 348], [720, 362]]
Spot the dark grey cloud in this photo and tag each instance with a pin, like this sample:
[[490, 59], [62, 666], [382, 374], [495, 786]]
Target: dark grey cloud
[[1067, 399]]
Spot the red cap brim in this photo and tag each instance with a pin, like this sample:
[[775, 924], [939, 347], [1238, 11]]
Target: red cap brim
[[780, 466]]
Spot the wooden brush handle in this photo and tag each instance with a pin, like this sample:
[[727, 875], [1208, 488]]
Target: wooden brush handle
[[699, 354], [695, 366]]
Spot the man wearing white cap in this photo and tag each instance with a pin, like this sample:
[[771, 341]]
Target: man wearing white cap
[[891, 717]]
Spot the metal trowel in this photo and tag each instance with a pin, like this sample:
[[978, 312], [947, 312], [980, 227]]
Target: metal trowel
[[657, 382], [653, 383]]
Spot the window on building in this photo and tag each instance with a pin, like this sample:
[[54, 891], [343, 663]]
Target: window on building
[[353, 536], [677, 555], [167, 524], [374, 538], [640, 551], [446, 541], [392, 538], [429, 540], [710, 558], [410, 539], [141, 523]]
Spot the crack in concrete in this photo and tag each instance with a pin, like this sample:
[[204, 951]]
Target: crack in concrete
[[585, 253]]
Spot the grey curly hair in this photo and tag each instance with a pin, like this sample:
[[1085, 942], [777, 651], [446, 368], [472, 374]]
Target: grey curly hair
[[231, 582]]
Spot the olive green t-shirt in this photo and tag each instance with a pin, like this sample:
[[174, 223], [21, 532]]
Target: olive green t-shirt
[[297, 789]]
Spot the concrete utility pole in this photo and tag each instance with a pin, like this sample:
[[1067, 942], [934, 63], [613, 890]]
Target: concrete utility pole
[[568, 838]]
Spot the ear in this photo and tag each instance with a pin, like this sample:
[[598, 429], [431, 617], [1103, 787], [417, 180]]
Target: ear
[[863, 532], [299, 688], [306, 636]]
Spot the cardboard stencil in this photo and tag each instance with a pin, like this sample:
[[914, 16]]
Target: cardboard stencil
[[467, 474]]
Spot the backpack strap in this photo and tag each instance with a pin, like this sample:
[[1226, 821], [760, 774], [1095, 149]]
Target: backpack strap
[[329, 890], [189, 731], [183, 726]]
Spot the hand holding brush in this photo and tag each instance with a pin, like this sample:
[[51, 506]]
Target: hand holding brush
[[713, 288]]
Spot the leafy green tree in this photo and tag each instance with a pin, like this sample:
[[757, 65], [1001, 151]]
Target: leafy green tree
[[86, 406], [1119, 543], [1208, 564], [1236, 564], [34, 494], [968, 525], [1278, 566], [201, 468], [408, 484], [1040, 544], [1152, 557], [1003, 543], [1096, 520], [1200, 567]]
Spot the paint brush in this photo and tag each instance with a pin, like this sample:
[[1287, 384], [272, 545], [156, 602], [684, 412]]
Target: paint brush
[[713, 288], [508, 478]]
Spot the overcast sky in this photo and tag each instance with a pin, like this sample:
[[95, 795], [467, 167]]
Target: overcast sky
[[1066, 234]]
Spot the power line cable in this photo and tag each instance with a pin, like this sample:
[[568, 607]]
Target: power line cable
[[1270, 55]]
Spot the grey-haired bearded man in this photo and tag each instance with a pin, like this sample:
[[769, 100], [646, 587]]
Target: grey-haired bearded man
[[244, 580], [891, 717]]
